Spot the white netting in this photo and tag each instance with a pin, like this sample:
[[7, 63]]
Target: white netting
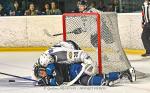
[[83, 29]]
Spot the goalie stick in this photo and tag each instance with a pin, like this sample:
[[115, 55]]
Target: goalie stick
[[76, 31], [17, 77], [22, 82]]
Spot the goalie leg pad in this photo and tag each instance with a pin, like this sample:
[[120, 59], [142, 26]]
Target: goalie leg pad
[[84, 80], [96, 80], [112, 76]]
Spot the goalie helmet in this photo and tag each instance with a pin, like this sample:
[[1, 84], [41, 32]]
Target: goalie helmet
[[46, 59], [36, 68]]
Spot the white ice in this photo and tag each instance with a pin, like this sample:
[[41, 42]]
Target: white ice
[[20, 63]]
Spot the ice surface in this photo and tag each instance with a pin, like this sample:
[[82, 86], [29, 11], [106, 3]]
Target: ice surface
[[20, 63]]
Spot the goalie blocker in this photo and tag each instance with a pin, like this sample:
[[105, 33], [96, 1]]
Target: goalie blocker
[[56, 66]]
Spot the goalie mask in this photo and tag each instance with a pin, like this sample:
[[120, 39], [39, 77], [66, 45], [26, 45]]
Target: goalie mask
[[46, 59]]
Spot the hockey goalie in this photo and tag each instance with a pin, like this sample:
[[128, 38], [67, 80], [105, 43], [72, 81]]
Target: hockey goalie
[[65, 63]]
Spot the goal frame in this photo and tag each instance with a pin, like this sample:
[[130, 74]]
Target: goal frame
[[98, 33]]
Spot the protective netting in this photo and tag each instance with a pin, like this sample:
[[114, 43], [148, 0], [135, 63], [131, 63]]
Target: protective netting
[[84, 30]]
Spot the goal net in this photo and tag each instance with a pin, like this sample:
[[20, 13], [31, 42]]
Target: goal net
[[98, 35]]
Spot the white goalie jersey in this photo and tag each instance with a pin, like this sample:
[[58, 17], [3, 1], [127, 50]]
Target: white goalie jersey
[[65, 52]]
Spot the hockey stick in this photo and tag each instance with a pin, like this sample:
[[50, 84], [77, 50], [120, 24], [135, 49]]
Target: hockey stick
[[76, 31], [78, 76], [17, 77]]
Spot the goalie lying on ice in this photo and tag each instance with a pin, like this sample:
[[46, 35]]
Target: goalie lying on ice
[[66, 62]]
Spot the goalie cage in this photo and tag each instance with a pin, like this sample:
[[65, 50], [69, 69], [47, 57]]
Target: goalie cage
[[98, 35]]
